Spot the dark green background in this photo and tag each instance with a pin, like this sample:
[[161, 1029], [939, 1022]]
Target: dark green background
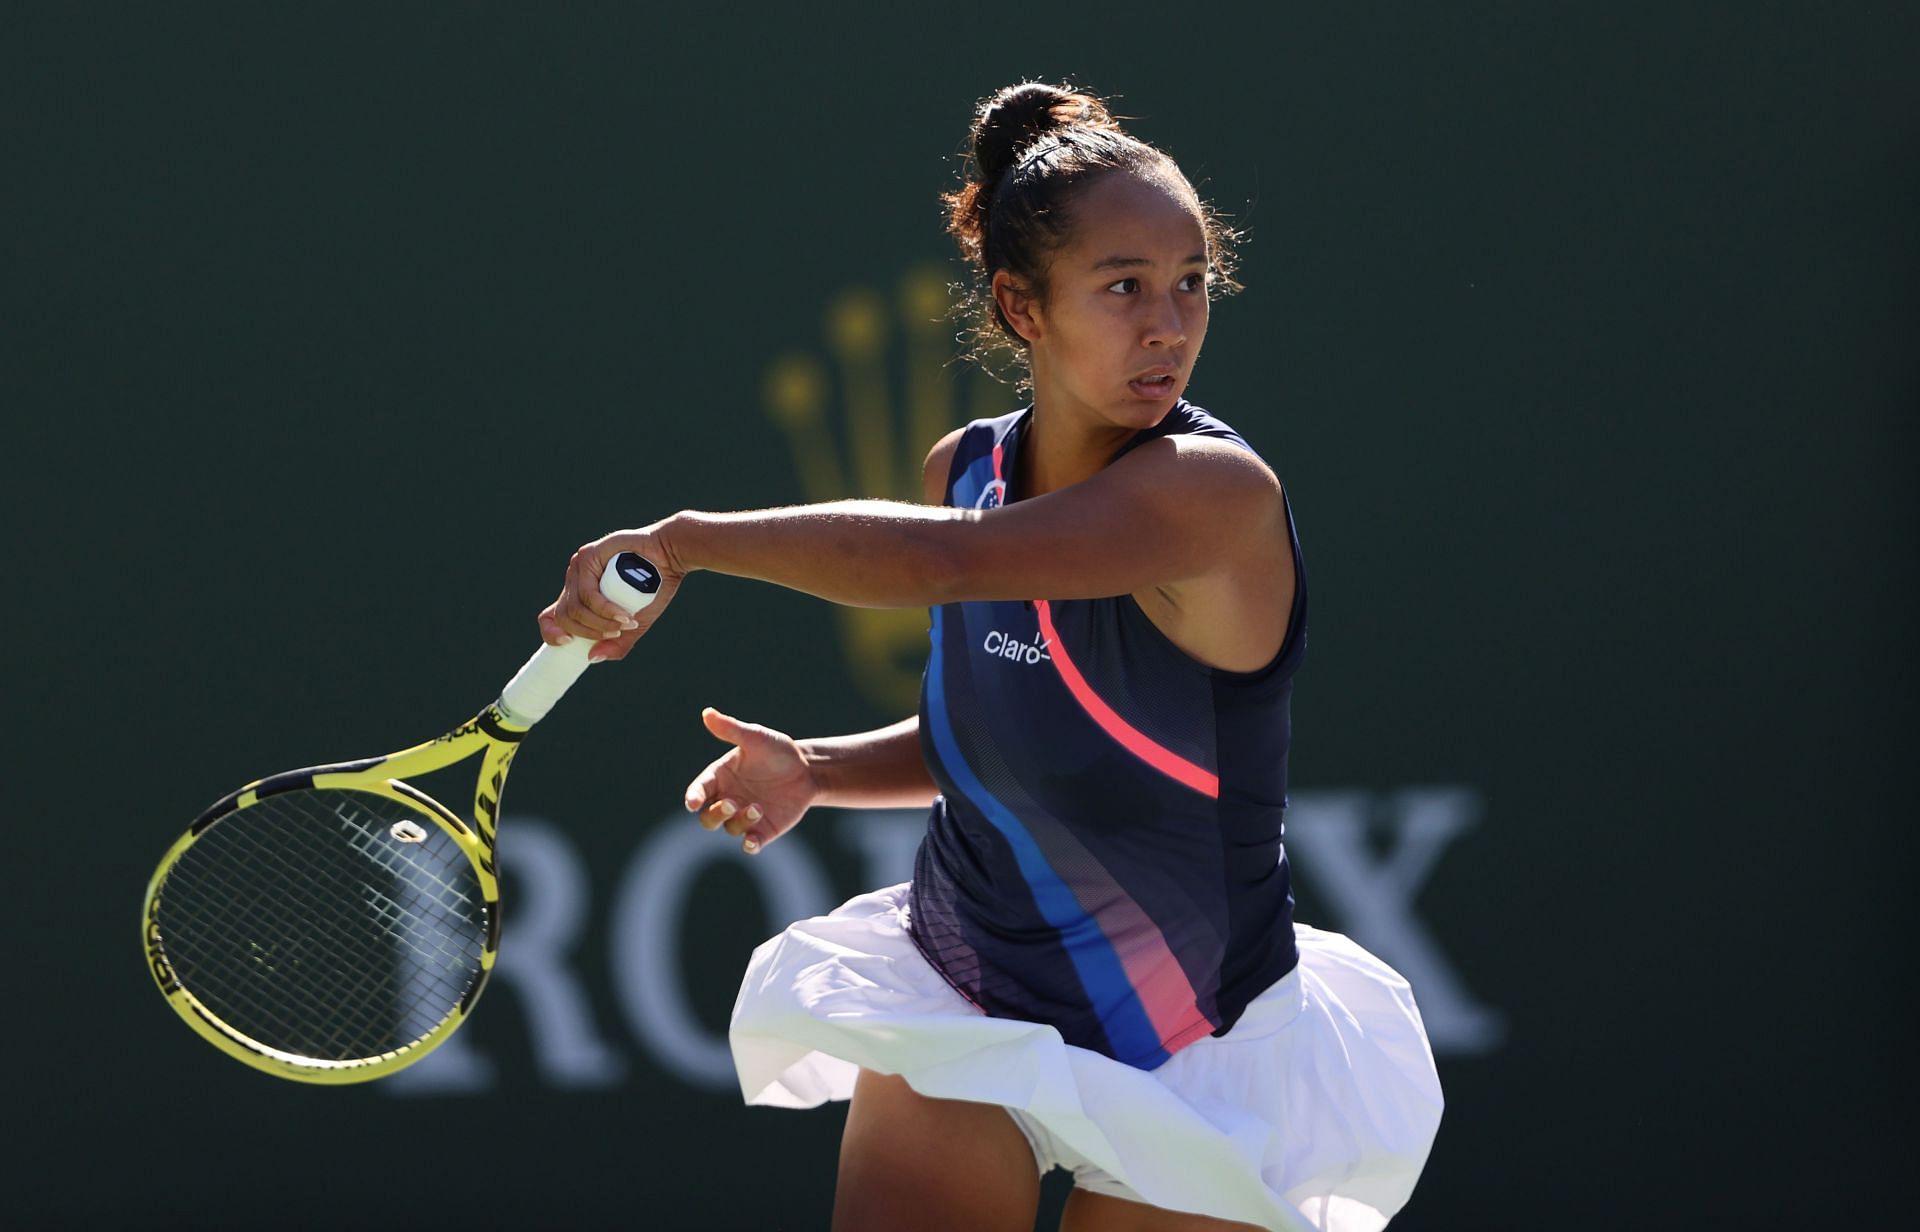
[[1583, 335]]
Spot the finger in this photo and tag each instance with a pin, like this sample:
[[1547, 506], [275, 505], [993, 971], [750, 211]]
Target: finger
[[719, 813], [705, 785], [603, 608], [550, 631], [738, 824], [576, 621], [581, 601], [758, 837], [590, 563]]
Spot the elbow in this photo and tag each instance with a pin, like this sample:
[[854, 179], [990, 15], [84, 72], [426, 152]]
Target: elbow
[[949, 561]]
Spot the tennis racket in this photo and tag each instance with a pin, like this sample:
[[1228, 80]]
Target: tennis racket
[[335, 924]]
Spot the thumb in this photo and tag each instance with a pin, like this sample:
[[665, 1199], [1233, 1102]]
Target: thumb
[[726, 727]]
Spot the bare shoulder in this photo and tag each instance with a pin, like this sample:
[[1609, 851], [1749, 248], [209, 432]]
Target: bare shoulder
[[1225, 461], [939, 461], [1207, 476], [1228, 502]]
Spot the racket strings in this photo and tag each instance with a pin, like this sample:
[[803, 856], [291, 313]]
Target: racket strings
[[328, 988], [401, 923], [293, 988], [369, 1004], [302, 922]]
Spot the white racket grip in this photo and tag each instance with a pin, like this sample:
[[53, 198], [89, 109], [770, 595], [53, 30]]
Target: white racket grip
[[630, 581]]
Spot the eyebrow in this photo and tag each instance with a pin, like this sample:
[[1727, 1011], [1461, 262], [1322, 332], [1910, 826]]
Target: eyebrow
[[1114, 263]]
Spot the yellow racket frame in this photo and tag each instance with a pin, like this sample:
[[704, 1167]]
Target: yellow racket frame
[[493, 738]]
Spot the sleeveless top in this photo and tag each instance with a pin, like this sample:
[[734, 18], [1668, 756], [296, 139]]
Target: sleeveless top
[[1105, 855]]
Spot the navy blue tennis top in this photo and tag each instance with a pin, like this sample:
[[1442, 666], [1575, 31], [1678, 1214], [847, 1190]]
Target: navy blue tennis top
[[1105, 855]]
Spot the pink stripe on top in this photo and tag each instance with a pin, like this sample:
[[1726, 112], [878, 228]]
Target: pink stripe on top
[[1159, 981], [1161, 758]]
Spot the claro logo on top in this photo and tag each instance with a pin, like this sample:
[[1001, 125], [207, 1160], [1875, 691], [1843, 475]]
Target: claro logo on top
[[1001, 646]]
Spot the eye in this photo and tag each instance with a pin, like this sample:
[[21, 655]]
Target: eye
[[1194, 282], [1126, 286]]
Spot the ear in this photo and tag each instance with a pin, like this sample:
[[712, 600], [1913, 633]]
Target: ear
[[1017, 305]]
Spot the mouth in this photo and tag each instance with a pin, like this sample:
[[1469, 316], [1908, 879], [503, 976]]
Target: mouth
[[1154, 383]]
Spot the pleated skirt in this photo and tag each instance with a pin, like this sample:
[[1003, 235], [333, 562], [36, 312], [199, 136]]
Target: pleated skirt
[[1316, 1110]]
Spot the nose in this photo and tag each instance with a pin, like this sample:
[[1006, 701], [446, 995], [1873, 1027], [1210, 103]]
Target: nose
[[1164, 325]]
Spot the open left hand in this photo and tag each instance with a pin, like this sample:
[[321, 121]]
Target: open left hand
[[758, 789]]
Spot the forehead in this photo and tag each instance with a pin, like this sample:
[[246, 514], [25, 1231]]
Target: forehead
[[1122, 214]]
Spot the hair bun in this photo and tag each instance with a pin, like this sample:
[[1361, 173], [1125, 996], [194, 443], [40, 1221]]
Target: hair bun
[[1019, 115]]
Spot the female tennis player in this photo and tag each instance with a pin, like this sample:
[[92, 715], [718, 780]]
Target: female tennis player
[[1095, 965]]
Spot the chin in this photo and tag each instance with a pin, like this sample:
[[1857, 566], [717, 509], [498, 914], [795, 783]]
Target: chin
[[1147, 412], [1140, 416]]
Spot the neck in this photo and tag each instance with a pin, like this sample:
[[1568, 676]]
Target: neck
[[1059, 449]]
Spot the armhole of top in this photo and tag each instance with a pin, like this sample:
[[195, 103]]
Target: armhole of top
[[1288, 653], [955, 466], [1297, 611]]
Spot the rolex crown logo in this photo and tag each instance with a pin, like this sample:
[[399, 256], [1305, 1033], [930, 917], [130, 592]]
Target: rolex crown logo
[[861, 426]]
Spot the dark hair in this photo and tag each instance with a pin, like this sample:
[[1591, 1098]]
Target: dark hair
[[1034, 148]]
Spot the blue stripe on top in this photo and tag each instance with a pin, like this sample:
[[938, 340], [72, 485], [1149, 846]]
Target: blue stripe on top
[[972, 482], [1128, 1028]]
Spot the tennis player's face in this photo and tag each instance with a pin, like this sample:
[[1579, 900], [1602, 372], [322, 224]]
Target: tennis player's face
[[1126, 305]]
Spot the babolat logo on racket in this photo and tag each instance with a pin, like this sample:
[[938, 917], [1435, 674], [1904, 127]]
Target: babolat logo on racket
[[157, 957], [461, 732], [638, 572]]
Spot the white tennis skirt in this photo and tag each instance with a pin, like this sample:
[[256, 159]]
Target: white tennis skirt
[[1315, 1111]]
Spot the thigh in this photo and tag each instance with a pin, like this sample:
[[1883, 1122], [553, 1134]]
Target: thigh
[[907, 1161], [1091, 1212]]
